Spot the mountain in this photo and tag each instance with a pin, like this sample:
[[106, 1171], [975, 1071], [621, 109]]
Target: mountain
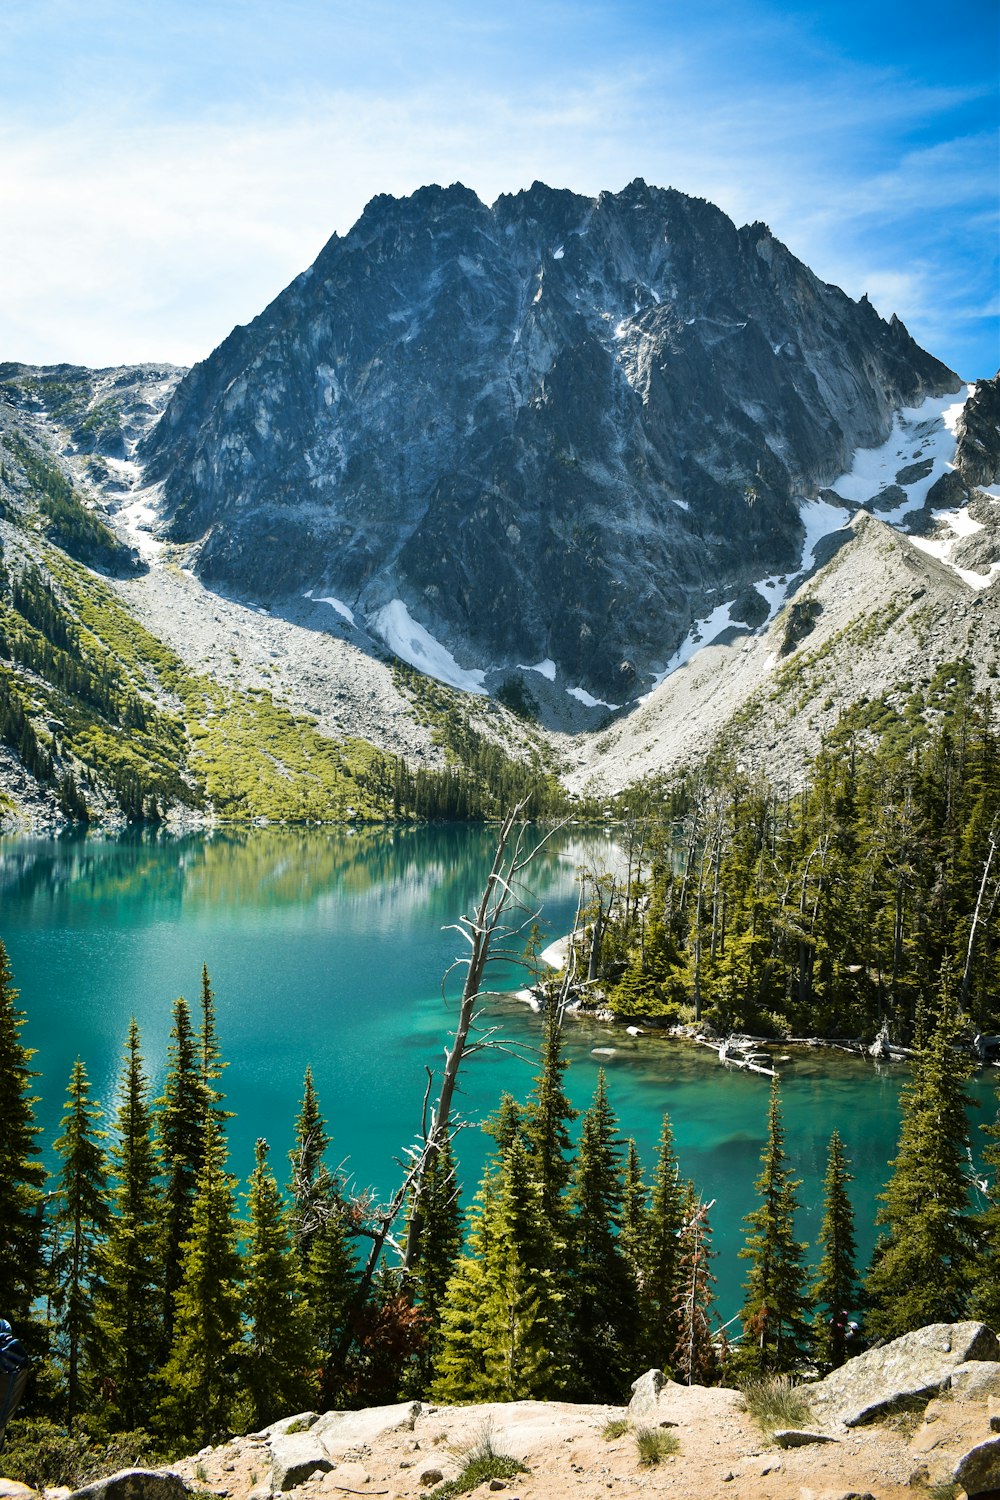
[[550, 433], [176, 639]]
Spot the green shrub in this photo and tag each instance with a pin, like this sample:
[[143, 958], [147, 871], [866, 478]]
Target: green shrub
[[44, 1455]]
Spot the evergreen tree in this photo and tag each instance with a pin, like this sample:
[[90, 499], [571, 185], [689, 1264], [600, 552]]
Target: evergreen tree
[[605, 1312], [280, 1357], [201, 1374], [461, 1367], [505, 1123], [635, 1217], [437, 1253], [180, 1122], [79, 1223], [310, 1183], [210, 1053], [835, 1290], [986, 1297], [773, 1312], [331, 1292], [923, 1266], [132, 1293], [503, 1332], [548, 1116], [21, 1177], [695, 1359], [658, 1306]]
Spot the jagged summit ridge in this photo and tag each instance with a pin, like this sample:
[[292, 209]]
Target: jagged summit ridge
[[558, 429]]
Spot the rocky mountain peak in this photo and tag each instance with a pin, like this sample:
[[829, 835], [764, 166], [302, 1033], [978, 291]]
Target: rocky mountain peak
[[553, 430]]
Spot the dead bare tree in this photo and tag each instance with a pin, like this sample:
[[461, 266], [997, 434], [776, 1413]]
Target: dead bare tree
[[492, 935]]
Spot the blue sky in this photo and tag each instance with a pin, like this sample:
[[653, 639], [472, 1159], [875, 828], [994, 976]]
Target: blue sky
[[166, 170]]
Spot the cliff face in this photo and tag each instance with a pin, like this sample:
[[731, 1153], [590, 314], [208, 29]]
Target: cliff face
[[558, 428]]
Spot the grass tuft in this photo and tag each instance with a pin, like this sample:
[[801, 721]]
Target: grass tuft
[[483, 1462], [616, 1428], [654, 1444], [775, 1401]]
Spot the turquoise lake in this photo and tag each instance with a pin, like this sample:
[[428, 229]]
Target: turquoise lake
[[327, 948]]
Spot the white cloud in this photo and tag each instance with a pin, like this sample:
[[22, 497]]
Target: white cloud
[[128, 233]]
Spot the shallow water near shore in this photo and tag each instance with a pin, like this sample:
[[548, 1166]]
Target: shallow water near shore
[[327, 947]]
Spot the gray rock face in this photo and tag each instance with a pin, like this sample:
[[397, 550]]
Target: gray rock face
[[917, 1365], [552, 427], [978, 455]]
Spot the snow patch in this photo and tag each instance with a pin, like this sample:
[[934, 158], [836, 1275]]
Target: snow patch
[[928, 430], [960, 525], [339, 606], [820, 519], [414, 644], [558, 253], [546, 667], [702, 633], [582, 696]]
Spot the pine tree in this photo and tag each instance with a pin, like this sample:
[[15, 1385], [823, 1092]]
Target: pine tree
[[635, 1217], [21, 1177], [210, 1053], [132, 1294], [986, 1295], [505, 1123], [331, 1292], [503, 1327], [461, 1370], [310, 1182], [773, 1312], [658, 1305], [437, 1253], [695, 1359], [548, 1116], [280, 1358], [835, 1290], [922, 1268], [180, 1130], [605, 1312], [79, 1223], [201, 1374]]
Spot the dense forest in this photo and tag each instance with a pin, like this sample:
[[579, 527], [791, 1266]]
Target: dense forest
[[824, 910], [164, 1308]]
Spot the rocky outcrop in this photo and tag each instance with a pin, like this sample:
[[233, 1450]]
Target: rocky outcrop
[[914, 1367], [554, 428], [978, 454]]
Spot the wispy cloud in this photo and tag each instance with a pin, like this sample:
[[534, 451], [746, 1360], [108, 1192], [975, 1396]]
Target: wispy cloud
[[151, 213]]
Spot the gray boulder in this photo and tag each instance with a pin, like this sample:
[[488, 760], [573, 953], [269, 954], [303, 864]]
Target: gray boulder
[[294, 1458], [341, 1431], [799, 1437], [137, 1484], [978, 1471], [981, 1377], [918, 1365]]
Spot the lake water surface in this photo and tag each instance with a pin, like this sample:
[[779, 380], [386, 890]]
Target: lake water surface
[[328, 948]]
